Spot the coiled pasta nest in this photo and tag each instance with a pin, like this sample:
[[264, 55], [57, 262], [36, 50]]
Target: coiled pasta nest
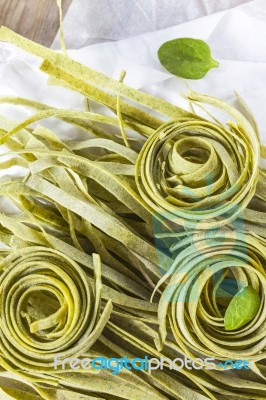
[[48, 307], [196, 295], [200, 173]]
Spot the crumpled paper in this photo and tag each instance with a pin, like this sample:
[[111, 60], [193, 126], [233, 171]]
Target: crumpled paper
[[97, 21]]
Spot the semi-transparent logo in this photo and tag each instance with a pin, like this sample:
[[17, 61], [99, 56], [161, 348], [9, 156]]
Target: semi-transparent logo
[[186, 251]]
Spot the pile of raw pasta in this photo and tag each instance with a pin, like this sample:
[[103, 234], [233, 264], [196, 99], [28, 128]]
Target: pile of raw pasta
[[116, 240]]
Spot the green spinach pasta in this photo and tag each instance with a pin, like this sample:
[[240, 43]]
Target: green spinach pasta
[[85, 274]]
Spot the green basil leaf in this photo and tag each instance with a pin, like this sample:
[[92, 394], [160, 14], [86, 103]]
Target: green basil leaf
[[242, 308], [187, 58]]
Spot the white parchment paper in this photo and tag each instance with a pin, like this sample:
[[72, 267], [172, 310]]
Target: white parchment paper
[[236, 37]]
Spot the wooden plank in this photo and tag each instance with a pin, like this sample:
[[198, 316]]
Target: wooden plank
[[37, 20]]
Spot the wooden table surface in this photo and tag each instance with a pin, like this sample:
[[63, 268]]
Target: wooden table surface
[[35, 19]]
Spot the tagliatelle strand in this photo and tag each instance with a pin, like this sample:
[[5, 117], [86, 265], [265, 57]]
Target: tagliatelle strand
[[89, 75]]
